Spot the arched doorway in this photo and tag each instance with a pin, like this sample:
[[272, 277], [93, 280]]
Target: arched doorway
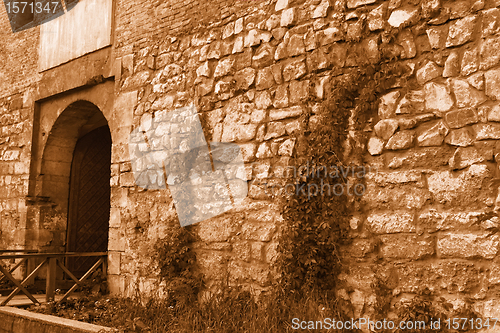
[[74, 179], [89, 198]]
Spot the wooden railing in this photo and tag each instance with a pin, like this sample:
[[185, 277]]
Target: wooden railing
[[52, 261]]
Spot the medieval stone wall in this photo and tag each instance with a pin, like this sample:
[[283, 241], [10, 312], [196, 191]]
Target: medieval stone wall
[[428, 218]]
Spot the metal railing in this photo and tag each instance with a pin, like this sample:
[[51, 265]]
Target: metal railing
[[52, 261]]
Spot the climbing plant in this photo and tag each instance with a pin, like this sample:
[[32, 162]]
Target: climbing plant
[[316, 221]]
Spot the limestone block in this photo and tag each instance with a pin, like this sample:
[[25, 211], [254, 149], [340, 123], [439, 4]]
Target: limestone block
[[358, 3], [461, 137], [437, 36], [386, 128], [437, 97], [281, 97], [264, 150], [459, 188], [217, 229], [264, 57], [461, 31], [430, 8], [477, 81], [265, 79], [465, 95], [286, 148], [470, 61], [294, 70], [491, 22], [375, 146], [428, 72], [401, 140], [273, 22], [224, 67], [390, 223], [387, 106], [244, 78], [468, 245], [465, 157], [299, 91], [403, 16], [296, 45], [330, 35], [451, 276], [228, 30], [489, 52], [412, 102], [487, 131], [290, 112], [452, 65], [406, 246], [281, 4], [461, 118], [376, 17], [487, 309], [321, 10], [492, 81], [288, 17], [275, 129], [261, 231], [432, 135]]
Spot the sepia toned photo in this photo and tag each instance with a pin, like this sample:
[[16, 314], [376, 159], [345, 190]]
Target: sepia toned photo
[[249, 166]]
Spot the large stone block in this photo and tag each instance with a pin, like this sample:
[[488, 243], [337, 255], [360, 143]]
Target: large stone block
[[467, 96], [470, 61], [437, 97], [406, 246], [461, 188], [468, 245], [240, 272], [487, 309], [487, 131], [294, 69], [489, 52], [386, 128], [399, 197], [387, 106], [430, 157], [465, 157], [461, 118], [401, 140], [390, 223], [492, 80], [433, 220], [258, 231], [461, 137], [461, 31], [392, 178], [428, 72], [450, 276], [432, 135], [217, 229], [403, 16]]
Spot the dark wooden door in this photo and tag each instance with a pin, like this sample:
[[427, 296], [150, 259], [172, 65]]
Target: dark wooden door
[[89, 198]]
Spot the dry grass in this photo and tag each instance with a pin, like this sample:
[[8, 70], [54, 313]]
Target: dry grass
[[228, 312]]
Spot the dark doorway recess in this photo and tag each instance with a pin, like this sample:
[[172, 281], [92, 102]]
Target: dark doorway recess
[[89, 198]]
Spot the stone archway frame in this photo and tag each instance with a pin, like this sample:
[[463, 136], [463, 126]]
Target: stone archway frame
[[58, 123]]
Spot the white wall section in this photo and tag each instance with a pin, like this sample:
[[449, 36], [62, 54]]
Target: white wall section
[[83, 29]]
